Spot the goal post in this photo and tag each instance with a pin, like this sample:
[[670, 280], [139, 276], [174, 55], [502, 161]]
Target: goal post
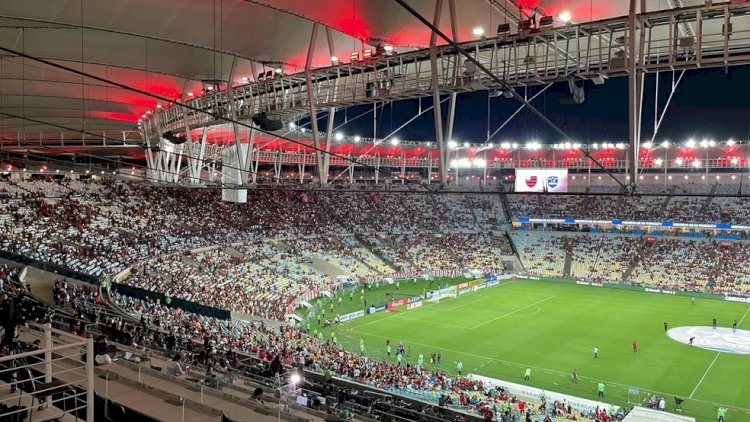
[[446, 293]]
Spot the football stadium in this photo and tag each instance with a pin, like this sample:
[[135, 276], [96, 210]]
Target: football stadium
[[374, 210]]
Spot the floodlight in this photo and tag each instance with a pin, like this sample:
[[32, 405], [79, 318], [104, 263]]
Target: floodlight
[[564, 16]]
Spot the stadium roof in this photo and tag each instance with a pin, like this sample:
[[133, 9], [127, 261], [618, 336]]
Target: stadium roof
[[172, 47]]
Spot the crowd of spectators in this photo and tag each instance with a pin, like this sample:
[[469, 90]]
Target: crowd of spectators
[[293, 347], [687, 206], [267, 247], [442, 252], [676, 264], [603, 258], [541, 254]]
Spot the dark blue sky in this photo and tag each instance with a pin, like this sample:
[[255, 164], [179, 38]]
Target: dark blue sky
[[708, 104]]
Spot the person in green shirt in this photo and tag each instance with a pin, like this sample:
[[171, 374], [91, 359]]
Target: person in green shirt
[[398, 358], [601, 389], [459, 367], [527, 375], [721, 413], [345, 415]]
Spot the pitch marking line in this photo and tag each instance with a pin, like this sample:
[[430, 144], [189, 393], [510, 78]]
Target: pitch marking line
[[536, 368], [374, 321], [511, 313], [744, 316], [714, 361], [715, 358], [429, 322], [704, 375], [460, 306]]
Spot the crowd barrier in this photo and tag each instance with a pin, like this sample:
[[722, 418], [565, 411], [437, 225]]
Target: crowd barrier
[[185, 305], [49, 267]]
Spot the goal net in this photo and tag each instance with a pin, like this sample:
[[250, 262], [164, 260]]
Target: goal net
[[446, 293]]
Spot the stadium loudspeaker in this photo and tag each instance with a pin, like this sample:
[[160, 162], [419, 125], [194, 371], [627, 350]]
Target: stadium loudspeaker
[[265, 123]]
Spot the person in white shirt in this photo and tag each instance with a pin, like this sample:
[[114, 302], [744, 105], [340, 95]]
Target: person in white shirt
[[173, 367], [596, 352], [662, 404]]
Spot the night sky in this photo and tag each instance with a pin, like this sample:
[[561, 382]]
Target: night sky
[[708, 104]]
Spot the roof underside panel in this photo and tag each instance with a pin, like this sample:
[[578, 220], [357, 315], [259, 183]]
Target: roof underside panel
[[171, 48]]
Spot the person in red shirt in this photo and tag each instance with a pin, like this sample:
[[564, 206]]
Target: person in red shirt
[[635, 346]]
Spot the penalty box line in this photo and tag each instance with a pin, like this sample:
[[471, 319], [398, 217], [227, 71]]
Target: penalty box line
[[511, 313], [715, 358], [554, 371]]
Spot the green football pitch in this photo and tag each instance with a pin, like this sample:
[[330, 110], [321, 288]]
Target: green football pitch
[[553, 327]]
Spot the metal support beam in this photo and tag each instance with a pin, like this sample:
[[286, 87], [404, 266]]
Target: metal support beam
[[329, 139], [311, 101], [504, 84], [518, 110], [436, 94], [657, 121], [451, 117], [235, 128], [247, 169], [634, 78]]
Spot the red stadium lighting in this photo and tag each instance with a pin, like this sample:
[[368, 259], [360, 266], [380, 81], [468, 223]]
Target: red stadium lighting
[[190, 94]]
